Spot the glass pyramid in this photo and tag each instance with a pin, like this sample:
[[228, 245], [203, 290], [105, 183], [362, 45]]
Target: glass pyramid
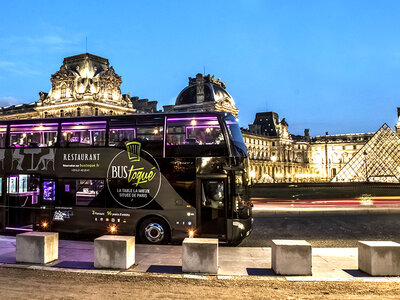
[[377, 161]]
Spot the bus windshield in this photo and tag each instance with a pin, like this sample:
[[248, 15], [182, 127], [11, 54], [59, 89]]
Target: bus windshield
[[235, 135]]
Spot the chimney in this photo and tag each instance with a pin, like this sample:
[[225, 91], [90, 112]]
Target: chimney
[[200, 88], [307, 132]]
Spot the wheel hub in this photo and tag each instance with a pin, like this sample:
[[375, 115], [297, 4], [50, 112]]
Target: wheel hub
[[154, 232]]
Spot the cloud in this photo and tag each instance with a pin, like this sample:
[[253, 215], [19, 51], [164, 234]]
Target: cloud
[[47, 42], [9, 100], [18, 68]]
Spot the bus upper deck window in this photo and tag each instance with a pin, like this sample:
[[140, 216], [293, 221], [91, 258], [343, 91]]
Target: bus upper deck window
[[80, 134], [3, 129], [120, 136], [150, 133], [194, 131], [33, 135]]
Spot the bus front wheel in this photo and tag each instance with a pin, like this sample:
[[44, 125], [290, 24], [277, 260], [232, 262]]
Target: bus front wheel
[[154, 231]]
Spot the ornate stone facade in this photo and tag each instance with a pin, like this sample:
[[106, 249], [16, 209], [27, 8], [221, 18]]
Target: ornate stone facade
[[85, 85], [274, 154]]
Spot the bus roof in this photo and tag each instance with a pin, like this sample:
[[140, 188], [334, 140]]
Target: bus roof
[[107, 117]]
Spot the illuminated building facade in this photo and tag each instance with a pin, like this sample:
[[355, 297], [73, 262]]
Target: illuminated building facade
[[377, 161], [274, 154], [85, 85], [330, 153], [278, 156]]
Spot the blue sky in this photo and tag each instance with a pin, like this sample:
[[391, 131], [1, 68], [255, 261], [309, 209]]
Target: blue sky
[[325, 65]]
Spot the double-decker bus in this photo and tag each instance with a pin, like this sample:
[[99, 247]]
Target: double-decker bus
[[155, 176]]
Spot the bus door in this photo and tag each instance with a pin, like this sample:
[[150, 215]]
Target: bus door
[[211, 204], [22, 197]]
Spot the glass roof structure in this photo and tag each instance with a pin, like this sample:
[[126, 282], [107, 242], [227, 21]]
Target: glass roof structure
[[377, 161]]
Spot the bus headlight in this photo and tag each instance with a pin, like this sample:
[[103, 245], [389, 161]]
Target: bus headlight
[[238, 224]]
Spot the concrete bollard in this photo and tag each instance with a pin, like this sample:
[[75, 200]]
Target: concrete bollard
[[200, 255], [291, 257], [379, 258], [37, 247], [114, 252]]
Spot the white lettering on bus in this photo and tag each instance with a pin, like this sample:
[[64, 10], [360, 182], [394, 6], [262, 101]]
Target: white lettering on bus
[[82, 156], [119, 172]]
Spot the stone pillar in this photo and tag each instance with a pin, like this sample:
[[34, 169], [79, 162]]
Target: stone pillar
[[291, 257], [379, 258], [114, 252], [200, 255], [37, 247]]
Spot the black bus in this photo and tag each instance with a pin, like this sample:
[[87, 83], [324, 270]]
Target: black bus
[[156, 176]]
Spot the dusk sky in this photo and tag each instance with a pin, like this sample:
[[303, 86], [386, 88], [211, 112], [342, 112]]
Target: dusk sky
[[325, 65]]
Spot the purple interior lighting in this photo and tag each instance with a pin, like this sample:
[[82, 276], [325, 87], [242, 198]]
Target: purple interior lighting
[[48, 190], [34, 132], [133, 129], [84, 123], [202, 126], [35, 125], [190, 119], [84, 130]]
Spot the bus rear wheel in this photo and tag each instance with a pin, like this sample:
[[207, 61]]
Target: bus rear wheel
[[154, 231]]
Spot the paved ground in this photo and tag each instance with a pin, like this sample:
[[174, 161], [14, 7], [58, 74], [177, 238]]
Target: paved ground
[[327, 228], [328, 263]]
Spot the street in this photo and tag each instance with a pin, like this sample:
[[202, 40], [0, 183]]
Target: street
[[323, 230]]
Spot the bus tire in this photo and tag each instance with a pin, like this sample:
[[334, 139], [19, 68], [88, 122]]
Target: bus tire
[[154, 231]]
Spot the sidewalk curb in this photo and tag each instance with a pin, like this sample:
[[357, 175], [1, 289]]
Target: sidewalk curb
[[126, 273]]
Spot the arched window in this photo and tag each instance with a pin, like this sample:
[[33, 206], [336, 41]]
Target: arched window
[[111, 112], [63, 91], [96, 111], [78, 111], [62, 113]]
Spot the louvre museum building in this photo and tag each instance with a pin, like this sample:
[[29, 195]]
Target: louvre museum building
[[86, 85]]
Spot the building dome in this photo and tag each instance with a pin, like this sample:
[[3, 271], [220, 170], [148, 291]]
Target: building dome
[[213, 91], [204, 93]]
